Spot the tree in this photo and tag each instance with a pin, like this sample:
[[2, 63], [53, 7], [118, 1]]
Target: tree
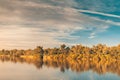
[[39, 50], [62, 46]]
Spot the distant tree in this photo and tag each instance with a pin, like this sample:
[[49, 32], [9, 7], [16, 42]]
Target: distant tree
[[62, 46], [39, 50], [67, 50]]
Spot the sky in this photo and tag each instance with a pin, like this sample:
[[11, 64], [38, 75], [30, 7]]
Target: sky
[[50, 23]]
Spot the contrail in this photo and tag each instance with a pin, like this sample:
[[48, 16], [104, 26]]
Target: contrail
[[99, 13]]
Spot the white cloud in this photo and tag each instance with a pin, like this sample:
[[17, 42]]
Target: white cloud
[[100, 13], [92, 35], [26, 24]]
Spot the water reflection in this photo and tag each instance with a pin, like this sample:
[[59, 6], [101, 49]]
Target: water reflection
[[76, 66], [82, 66], [36, 62]]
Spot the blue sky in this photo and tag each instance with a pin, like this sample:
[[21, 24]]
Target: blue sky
[[49, 23]]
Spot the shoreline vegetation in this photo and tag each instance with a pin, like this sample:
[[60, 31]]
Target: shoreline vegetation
[[78, 52], [100, 58]]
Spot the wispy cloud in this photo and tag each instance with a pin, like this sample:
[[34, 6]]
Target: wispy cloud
[[100, 13], [92, 35], [27, 23]]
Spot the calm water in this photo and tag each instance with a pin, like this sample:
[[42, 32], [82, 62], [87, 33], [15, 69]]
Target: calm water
[[27, 71]]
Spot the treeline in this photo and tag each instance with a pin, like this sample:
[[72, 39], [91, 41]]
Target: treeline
[[99, 58], [78, 49], [37, 52]]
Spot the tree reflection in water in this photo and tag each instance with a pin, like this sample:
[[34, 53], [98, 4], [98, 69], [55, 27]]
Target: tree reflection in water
[[77, 66]]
